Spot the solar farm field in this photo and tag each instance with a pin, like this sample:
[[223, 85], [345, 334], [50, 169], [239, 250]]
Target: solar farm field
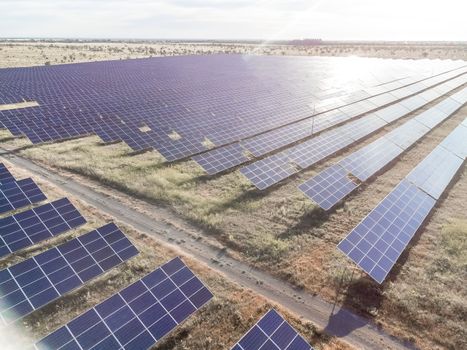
[[217, 325], [343, 177]]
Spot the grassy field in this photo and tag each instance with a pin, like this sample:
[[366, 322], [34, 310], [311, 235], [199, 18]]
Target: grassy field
[[281, 231], [217, 326]]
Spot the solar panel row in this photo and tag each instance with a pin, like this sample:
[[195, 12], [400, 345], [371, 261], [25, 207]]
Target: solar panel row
[[272, 332], [18, 194], [269, 171], [137, 317], [275, 139], [377, 242], [32, 226], [37, 281], [370, 159]]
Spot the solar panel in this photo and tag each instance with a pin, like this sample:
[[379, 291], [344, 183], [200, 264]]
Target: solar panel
[[392, 112], [311, 152], [5, 175], [18, 194], [368, 160], [35, 282], [413, 103], [137, 317], [431, 117], [407, 134], [221, 158], [328, 187], [460, 96], [275, 139], [449, 105], [379, 239], [32, 226], [436, 171], [269, 171], [272, 332], [363, 127], [455, 141]]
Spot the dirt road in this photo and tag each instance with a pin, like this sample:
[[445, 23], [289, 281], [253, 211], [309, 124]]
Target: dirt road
[[355, 330]]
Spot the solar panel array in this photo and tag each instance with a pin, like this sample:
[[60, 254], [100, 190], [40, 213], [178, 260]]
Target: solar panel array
[[377, 242], [217, 98], [273, 169], [367, 161], [18, 194], [232, 155], [32, 226], [5, 175], [137, 317], [272, 332], [37, 281]]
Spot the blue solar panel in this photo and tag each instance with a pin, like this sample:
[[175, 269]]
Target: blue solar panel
[[371, 158], [269, 171], [272, 332], [18, 194], [328, 187], [455, 142], [379, 239], [37, 281], [392, 113], [137, 317], [431, 117], [407, 134], [32, 226], [222, 158], [435, 172], [449, 105], [5, 175]]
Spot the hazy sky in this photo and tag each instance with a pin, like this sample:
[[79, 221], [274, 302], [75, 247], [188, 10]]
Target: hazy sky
[[236, 19]]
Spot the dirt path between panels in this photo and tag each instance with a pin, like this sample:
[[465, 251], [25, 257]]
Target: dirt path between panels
[[347, 326]]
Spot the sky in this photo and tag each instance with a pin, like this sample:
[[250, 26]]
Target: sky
[[236, 19]]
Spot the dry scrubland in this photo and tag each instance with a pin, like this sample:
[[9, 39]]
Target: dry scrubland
[[281, 231], [21, 54], [216, 326], [278, 230]]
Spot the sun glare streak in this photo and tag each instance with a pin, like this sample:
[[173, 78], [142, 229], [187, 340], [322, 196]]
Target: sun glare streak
[[286, 30]]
